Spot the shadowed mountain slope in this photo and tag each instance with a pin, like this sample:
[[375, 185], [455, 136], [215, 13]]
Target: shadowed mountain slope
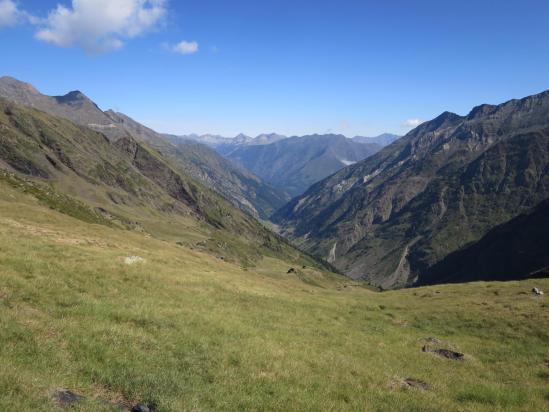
[[443, 185], [517, 249]]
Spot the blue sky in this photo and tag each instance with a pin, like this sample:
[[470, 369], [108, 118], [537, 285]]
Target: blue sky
[[292, 67]]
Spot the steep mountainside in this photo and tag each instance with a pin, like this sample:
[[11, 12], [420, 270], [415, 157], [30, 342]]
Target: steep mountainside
[[244, 189], [295, 163], [124, 183], [445, 184], [237, 184], [518, 249]]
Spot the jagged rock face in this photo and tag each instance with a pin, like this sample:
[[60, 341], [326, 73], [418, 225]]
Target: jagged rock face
[[443, 185]]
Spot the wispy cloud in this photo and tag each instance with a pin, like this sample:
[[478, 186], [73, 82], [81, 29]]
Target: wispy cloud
[[412, 122], [100, 25], [184, 47], [9, 13], [344, 124]]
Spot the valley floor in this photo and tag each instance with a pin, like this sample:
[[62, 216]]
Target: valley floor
[[185, 331]]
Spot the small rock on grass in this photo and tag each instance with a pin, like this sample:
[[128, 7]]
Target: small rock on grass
[[66, 398], [142, 408], [445, 353], [416, 383]]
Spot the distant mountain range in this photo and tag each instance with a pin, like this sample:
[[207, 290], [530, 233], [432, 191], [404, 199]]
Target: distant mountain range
[[293, 164], [267, 138], [392, 218], [217, 141], [240, 186], [384, 139]]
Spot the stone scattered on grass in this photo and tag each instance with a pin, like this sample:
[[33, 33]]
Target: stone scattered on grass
[[142, 408], [537, 291], [66, 398], [291, 270], [415, 383], [132, 260], [445, 353], [120, 406]]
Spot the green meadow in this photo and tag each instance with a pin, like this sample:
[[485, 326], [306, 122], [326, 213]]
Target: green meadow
[[184, 330]]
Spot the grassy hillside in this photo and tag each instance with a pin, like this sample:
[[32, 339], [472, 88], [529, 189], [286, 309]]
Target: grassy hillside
[[127, 183], [186, 331], [242, 188]]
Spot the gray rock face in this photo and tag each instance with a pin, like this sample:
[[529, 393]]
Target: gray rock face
[[442, 186]]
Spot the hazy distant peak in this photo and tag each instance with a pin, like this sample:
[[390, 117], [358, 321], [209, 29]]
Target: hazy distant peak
[[383, 139]]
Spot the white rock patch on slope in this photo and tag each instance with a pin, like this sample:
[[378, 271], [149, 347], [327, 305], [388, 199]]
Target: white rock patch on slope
[[132, 260], [346, 162]]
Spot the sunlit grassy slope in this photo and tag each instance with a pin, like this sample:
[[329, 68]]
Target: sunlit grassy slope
[[190, 332]]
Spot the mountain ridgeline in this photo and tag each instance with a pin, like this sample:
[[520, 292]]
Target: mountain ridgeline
[[395, 217], [459, 198], [128, 184], [294, 164], [241, 187]]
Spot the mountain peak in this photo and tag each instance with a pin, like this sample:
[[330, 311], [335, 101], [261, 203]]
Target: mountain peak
[[481, 110], [73, 96], [448, 116], [13, 83]]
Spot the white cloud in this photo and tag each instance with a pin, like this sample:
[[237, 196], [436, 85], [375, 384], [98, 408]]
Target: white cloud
[[185, 47], [100, 25], [9, 14], [412, 122]]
